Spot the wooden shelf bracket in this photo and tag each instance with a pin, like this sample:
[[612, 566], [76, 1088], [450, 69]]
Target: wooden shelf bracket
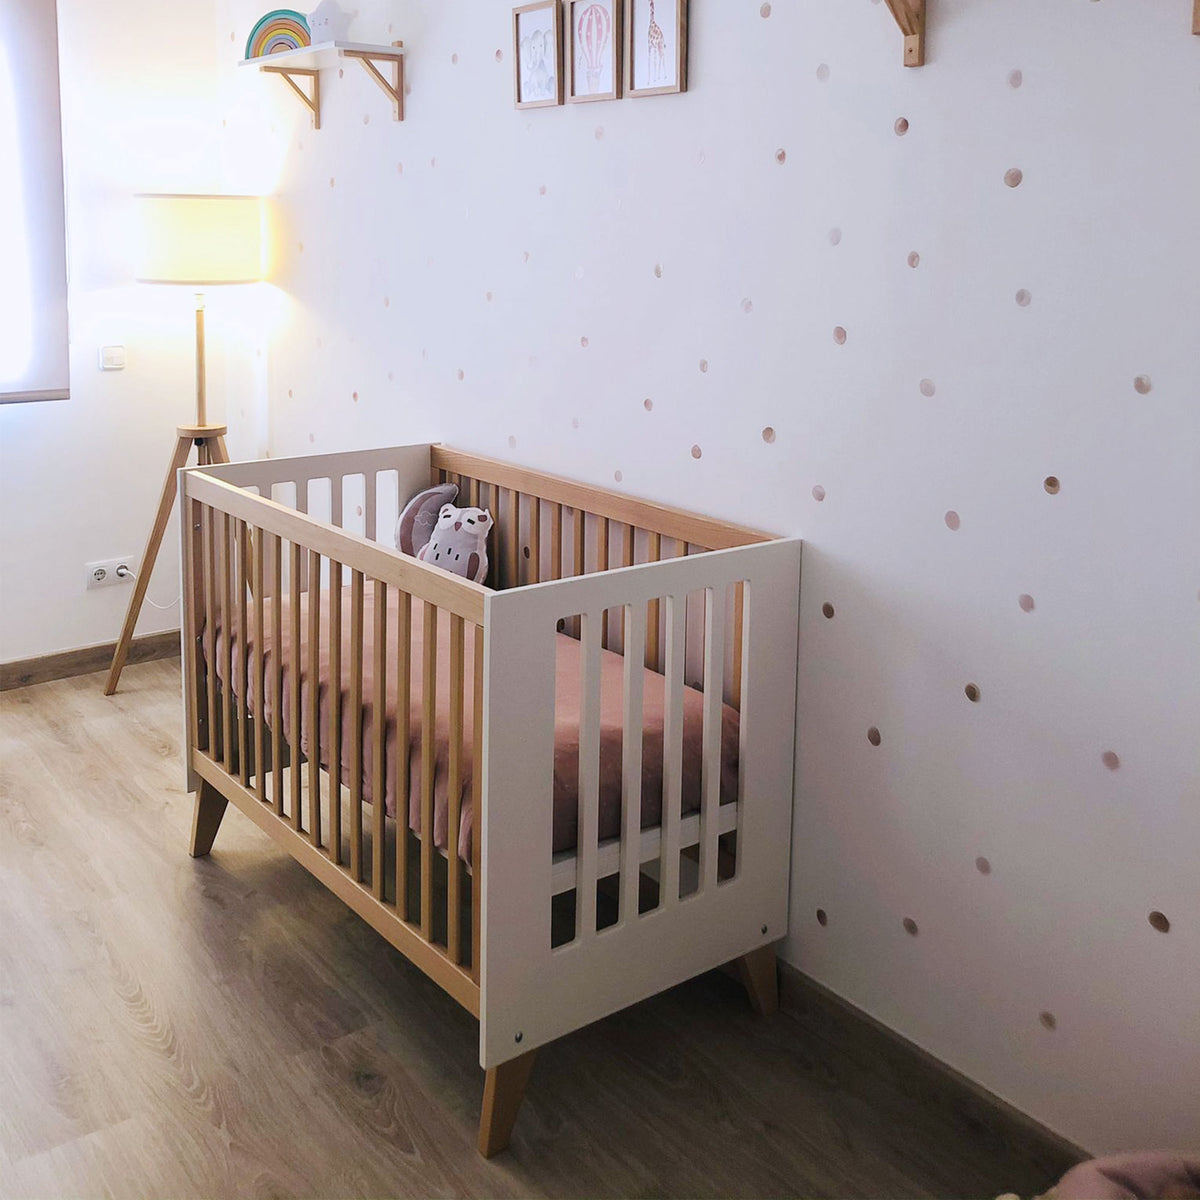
[[395, 89], [312, 101], [910, 16]]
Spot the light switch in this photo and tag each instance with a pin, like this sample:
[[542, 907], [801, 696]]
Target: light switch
[[112, 358]]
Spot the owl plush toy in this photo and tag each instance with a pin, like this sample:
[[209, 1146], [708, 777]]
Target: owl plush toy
[[459, 542]]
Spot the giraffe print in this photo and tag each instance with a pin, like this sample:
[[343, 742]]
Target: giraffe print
[[656, 45]]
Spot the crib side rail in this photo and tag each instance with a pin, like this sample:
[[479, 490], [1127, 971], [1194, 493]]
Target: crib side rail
[[269, 594], [535, 988]]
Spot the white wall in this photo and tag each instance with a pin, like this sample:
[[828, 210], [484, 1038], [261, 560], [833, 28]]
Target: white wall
[[677, 231], [80, 479]]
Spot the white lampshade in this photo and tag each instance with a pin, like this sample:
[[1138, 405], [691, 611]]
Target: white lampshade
[[200, 239]]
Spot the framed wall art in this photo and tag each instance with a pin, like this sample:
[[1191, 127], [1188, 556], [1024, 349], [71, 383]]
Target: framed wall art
[[593, 49], [537, 55], [655, 47]]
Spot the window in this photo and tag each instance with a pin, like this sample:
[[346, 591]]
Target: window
[[33, 266]]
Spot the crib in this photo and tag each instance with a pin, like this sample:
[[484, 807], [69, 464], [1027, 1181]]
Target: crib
[[556, 794]]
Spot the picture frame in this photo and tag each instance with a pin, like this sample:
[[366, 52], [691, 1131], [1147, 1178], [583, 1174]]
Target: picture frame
[[656, 36], [537, 55], [593, 49]]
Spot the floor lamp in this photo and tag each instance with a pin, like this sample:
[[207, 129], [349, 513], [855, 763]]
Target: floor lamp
[[196, 240]]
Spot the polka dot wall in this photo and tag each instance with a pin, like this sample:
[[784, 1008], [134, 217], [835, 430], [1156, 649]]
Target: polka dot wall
[[939, 322]]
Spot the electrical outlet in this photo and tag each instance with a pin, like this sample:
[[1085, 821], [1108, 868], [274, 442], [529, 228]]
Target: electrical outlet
[[110, 572]]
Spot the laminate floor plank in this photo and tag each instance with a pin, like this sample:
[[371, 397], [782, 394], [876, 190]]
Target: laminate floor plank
[[226, 1027]]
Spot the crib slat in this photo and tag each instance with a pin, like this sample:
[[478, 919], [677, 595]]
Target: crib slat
[[602, 565], [589, 777], [241, 545], [654, 554], [739, 620], [714, 670], [627, 547], [631, 767], [193, 565], [428, 730], [473, 494], [379, 746], [277, 674], [210, 630], [356, 724], [260, 679], [335, 711], [370, 503], [535, 539], [512, 539], [477, 806], [225, 563], [314, 697], [403, 733], [295, 773], [556, 537], [454, 807], [577, 545], [673, 749]]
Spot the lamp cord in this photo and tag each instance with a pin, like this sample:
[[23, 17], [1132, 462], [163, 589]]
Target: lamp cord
[[123, 571]]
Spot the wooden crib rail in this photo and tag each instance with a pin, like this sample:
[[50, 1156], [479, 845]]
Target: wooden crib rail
[[686, 527], [252, 567]]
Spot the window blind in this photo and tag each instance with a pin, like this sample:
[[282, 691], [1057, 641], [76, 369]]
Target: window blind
[[33, 259]]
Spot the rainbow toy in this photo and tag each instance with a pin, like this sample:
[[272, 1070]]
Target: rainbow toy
[[283, 29]]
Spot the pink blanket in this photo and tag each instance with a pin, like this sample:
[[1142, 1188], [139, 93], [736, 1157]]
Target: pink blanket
[[566, 741]]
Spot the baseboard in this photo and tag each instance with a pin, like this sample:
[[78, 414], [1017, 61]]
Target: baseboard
[[27, 671], [926, 1080]]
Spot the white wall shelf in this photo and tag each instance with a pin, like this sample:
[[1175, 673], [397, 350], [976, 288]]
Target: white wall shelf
[[309, 61]]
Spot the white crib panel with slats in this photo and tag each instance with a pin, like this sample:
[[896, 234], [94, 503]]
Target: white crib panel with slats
[[531, 993]]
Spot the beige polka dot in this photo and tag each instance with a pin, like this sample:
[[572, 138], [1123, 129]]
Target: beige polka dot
[[461, 374], [1013, 177], [433, 162], [391, 375], [366, 118], [781, 156], [354, 396], [696, 452], [290, 393], [835, 236], [901, 126], [1111, 760], [910, 927], [512, 442], [525, 256], [499, 56], [584, 342], [454, 60], [1159, 921], [312, 437], [488, 297], [617, 476], [822, 72], [818, 493], [1026, 602], [952, 521], [1015, 79], [765, 11], [599, 132], [1141, 385], [972, 692], [874, 736], [827, 610], [704, 365], [387, 303], [1024, 298], [648, 404], [928, 387], [658, 270], [300, 247], [913, 259], [358, 510], [983, 866], [747, 306], [768, 435], [839, 335], [331, 181], [400, 168], [822, 917], [1048, 1020], [1051, 484], [542, 190], [341, 72]]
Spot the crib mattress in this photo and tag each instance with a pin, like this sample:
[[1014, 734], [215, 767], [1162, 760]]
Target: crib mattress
[[568, 680]]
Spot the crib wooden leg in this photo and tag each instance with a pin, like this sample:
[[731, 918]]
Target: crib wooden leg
[[206, 819], [503, 1091], [760, 978]]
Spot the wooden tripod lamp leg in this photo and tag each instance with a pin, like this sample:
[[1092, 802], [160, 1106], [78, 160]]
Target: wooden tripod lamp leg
[[503, 1091], [183, 447]]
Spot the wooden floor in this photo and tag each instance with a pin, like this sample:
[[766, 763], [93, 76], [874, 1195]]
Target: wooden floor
[[225, 1027]]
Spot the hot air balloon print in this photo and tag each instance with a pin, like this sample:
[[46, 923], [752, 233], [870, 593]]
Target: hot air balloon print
[[593, 29]]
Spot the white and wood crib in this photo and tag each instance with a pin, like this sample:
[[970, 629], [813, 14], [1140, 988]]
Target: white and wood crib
[[556, 794]]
